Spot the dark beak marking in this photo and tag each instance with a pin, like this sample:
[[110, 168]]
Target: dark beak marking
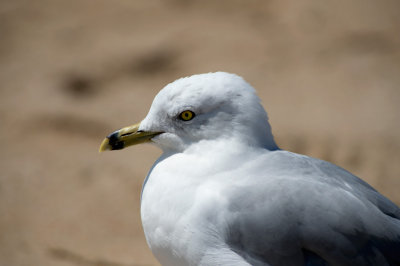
[[114, 141]]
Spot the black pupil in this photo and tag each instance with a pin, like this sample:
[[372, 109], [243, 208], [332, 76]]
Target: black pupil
[[186, 115]]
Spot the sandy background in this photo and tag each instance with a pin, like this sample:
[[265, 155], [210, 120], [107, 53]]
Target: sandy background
[[328, 73]]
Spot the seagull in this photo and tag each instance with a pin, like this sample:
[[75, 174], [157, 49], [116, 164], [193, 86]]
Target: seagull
[[224, 193]]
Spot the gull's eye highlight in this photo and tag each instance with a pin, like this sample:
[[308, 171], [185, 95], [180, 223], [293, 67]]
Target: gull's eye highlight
[[186, 115]]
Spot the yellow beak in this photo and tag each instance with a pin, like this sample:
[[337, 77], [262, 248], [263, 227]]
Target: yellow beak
[[125, 137]]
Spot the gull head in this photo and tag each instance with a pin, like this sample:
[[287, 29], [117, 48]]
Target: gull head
[[197, 109]]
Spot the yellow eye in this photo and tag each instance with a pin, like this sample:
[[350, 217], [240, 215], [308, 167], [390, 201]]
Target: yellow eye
[[186, 115]]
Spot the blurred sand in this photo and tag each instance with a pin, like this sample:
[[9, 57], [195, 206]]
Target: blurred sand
[[73, 71]]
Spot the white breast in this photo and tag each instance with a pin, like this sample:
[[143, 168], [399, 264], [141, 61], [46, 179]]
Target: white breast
[[177, 211]]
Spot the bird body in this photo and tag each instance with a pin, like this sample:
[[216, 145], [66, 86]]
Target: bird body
[[223, 193], [278, 217]]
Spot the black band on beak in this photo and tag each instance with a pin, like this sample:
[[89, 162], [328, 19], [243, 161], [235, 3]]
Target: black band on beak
[[114, 142]]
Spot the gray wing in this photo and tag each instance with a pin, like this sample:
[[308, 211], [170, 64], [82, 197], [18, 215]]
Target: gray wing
[[317, 214]]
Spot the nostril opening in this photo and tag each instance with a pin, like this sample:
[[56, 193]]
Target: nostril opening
[[140, 131], [126, 134]]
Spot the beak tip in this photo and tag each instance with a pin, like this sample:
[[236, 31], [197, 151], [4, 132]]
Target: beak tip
[[104, 145]]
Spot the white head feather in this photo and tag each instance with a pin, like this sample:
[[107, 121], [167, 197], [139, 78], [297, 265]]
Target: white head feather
[[225, 106]]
